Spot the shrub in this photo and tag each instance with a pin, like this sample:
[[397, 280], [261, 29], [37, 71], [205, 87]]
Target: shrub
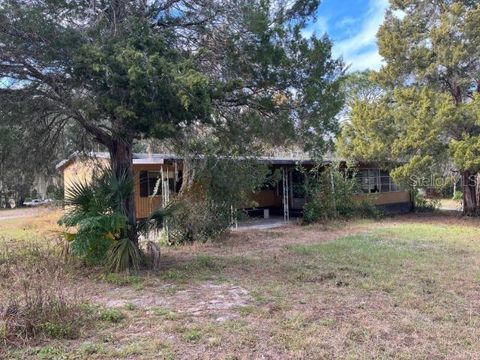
[[423, 204], [112, 315], [100, 222], [122, 255], [334, 193], [198, 220], [458, 196]]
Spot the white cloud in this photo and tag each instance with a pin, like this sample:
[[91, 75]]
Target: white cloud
[[318, 28], [346, 22], [366, 60], [360, 51]]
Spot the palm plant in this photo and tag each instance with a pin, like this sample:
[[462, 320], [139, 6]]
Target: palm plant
[[100, 221]]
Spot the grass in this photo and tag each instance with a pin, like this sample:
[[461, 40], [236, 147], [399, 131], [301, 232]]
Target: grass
[[166, 314], [406, 287], [112, 315], [192, 335]]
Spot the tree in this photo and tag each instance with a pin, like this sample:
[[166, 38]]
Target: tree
[[14, 183], [428, 112], [360, 86], [26, 157], [129, 70], [399, 130]]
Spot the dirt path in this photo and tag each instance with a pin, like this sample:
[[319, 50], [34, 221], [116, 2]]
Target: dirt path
[[11, 214]]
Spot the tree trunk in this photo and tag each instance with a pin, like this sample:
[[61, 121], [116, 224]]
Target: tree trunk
[[470, 193], [121, 157], [188, 175]]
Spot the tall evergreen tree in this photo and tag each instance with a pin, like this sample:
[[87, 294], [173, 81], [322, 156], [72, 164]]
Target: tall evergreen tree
[[429, 110]]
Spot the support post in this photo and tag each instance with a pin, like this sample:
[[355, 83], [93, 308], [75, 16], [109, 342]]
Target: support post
[[286, 207], [334, 201], [176, 177], [233, 219], [165, 198]]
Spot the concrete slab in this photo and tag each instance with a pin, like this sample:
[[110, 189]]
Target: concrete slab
[[264, 224]]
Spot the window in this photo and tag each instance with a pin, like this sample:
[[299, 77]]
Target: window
[[376, 180], [150, 183]]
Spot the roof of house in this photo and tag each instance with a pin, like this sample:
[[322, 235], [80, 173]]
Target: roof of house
[[145, 158]]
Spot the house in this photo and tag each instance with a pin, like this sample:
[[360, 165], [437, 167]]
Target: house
[[285, 198]]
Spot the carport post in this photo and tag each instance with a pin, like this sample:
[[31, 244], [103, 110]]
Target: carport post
[[286, 208]]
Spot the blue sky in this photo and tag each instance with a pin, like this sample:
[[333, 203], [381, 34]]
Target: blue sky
[[352, 25]]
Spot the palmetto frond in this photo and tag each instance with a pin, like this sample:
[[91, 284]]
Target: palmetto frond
[[115, 189], [80, 196], [157, 218], [98, 216], [123, 255]]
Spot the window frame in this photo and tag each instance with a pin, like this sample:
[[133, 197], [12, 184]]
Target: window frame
[[376, 180], [174, 184], [149, 183]]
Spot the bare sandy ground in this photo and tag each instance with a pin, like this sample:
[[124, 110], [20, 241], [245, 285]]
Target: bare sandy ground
[[10, 214]]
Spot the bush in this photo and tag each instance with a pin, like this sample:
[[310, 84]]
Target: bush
[[423, 204], [198, 220], [101, 225], [458, 196], [112, 315], [333, 193]]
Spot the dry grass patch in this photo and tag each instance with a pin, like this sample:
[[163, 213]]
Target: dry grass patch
[[36, 301]]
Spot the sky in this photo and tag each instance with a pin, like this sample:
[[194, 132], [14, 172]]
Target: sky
[[352, 25]]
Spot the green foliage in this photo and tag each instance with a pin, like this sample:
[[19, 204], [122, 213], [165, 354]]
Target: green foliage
[[197, 219], [52, 353], [192, 335], [123, 255], [112, 315], [98, 215], [423, 204], [159, 216], [165, 313], [59, 330], [229, 180], [335, 193], [239, 72], [458, 196], [427, 113], [139, 78], [466, 153]]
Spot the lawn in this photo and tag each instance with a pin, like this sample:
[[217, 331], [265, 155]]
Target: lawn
[[404, 287]]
